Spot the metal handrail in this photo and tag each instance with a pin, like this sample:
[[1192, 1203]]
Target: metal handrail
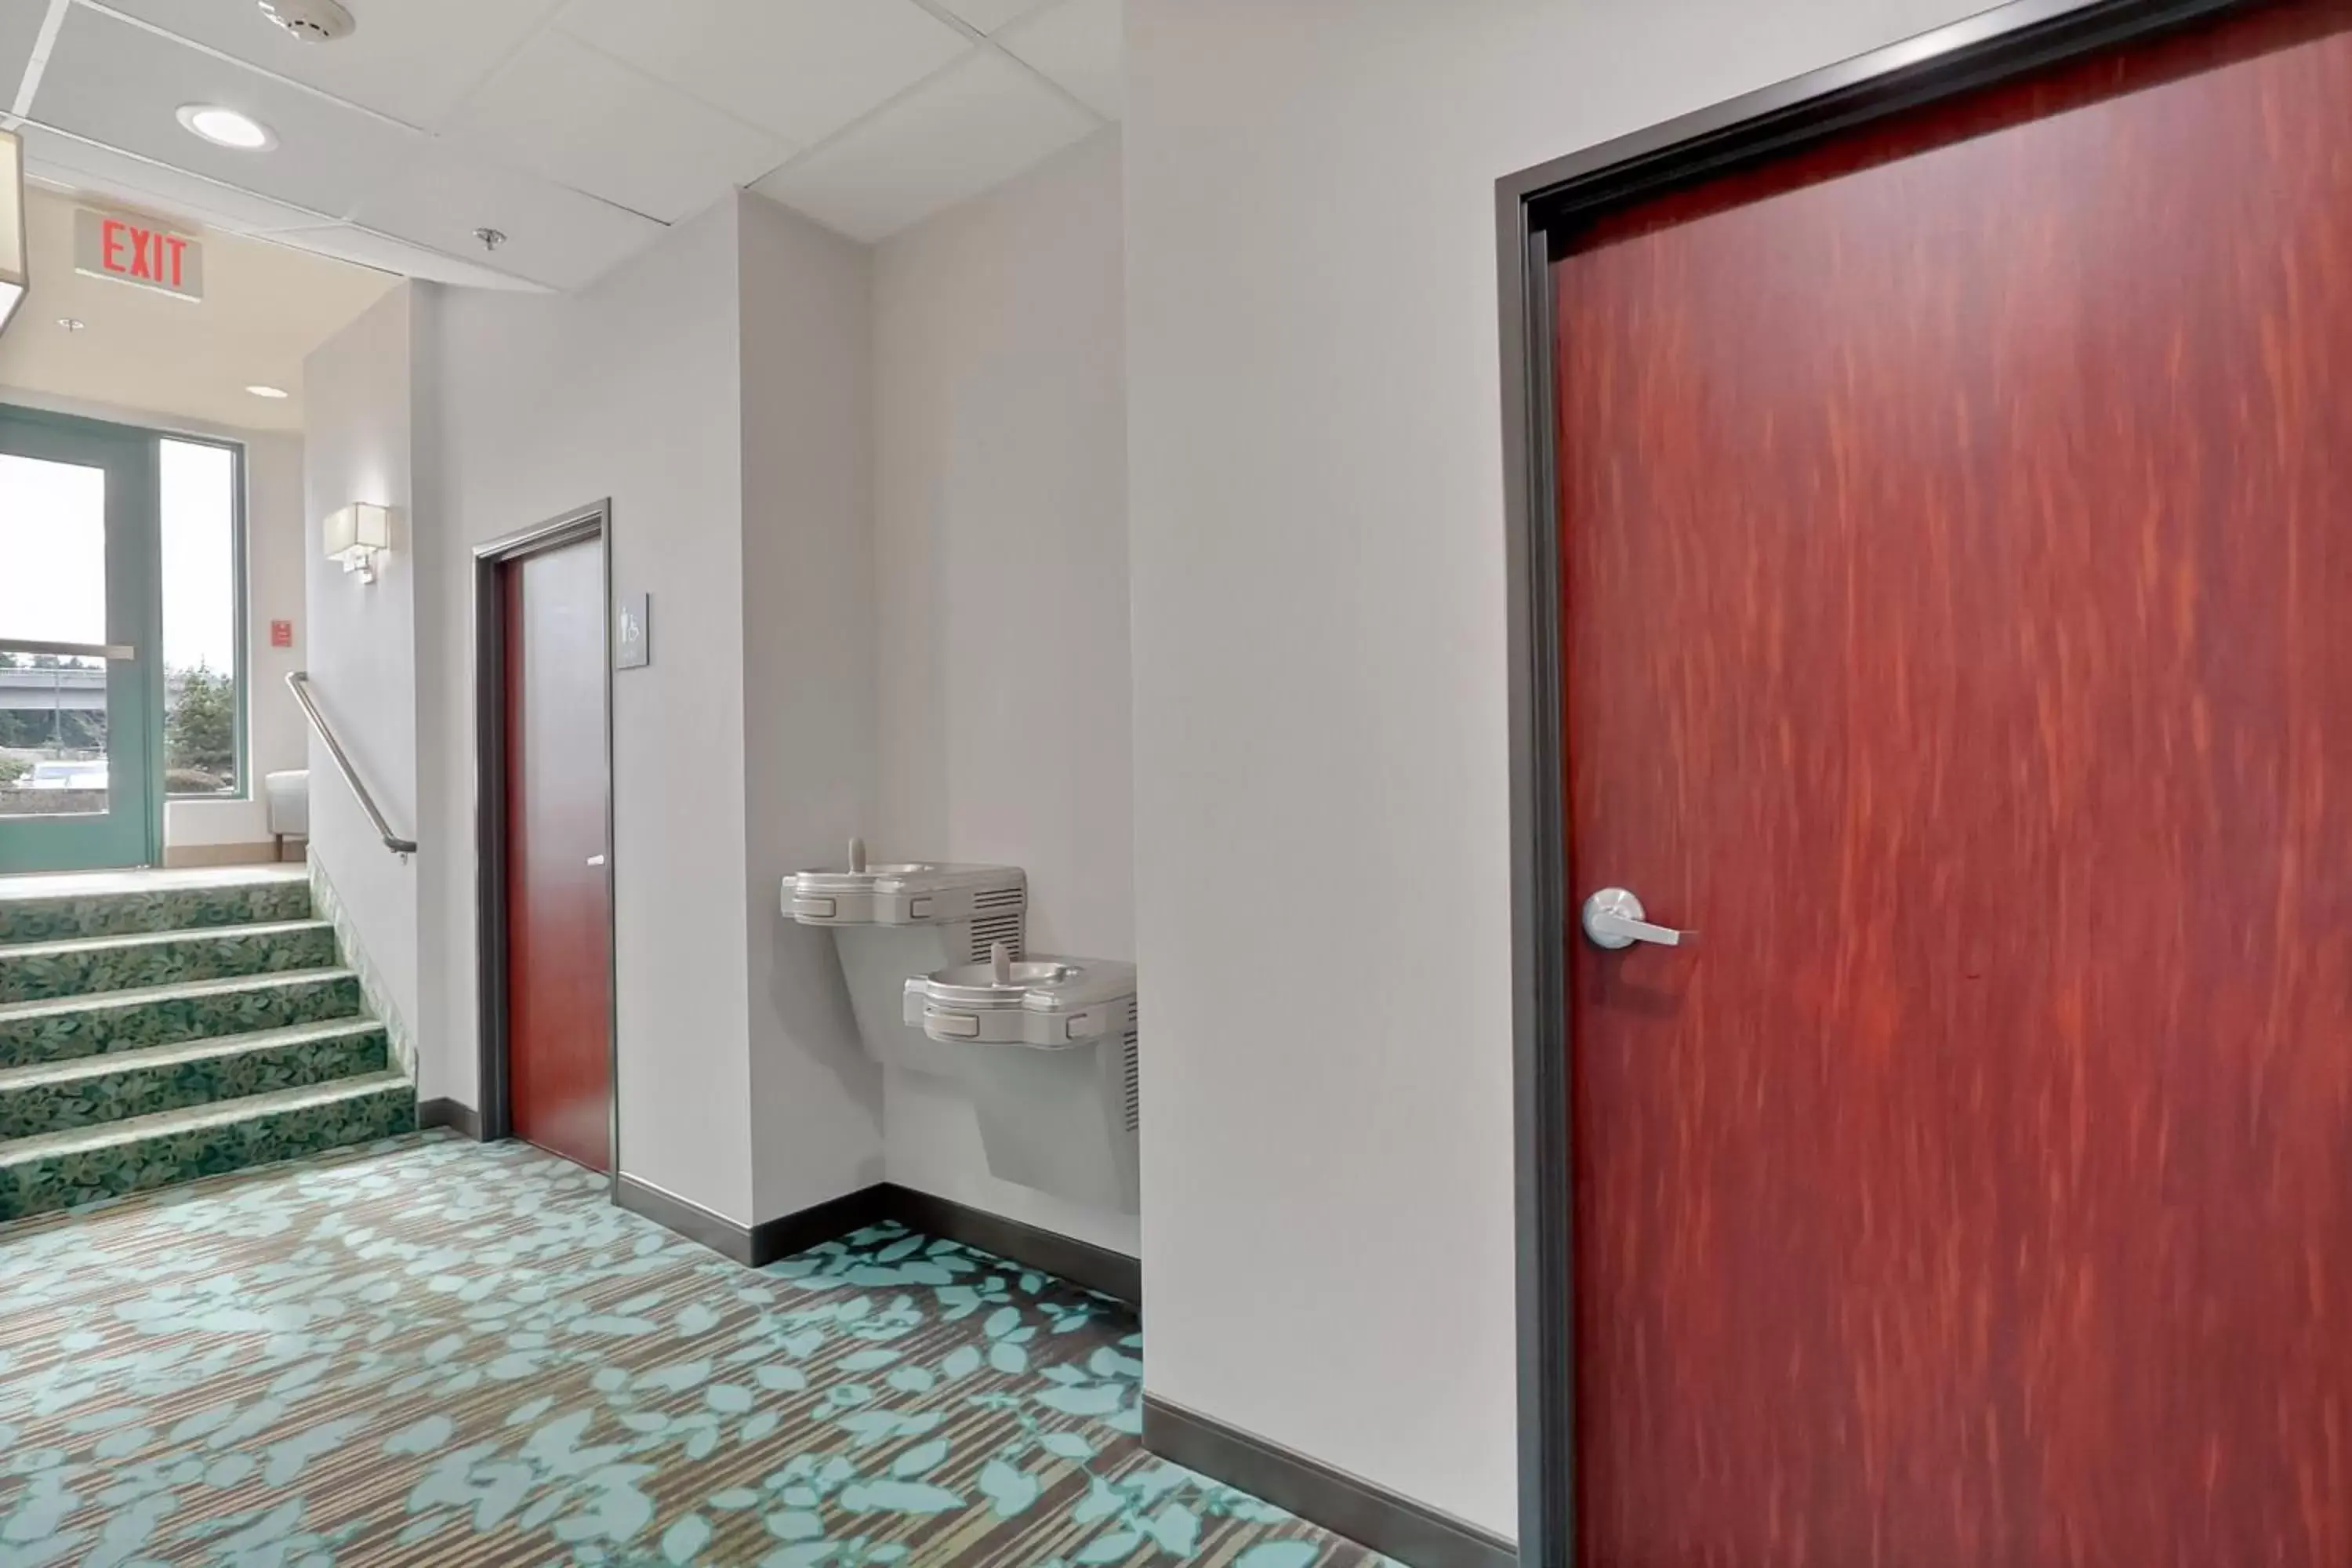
[[298, 682]]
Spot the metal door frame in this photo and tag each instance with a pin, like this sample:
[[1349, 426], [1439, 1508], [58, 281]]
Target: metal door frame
[[494, 1092], [1538, 214]]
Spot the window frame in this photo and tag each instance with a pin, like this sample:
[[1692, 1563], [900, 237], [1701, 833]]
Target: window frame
[[241, 633]]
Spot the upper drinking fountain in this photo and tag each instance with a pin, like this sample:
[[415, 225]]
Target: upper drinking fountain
[[896, 920]]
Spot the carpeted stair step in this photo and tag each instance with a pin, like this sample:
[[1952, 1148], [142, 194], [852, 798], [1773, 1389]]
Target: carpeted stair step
[[90, 906], [80, 965], [62, 1028], [60, 1170], [58, 1097]]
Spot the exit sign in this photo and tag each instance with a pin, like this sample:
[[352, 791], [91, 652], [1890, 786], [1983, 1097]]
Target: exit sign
[[137, 251]]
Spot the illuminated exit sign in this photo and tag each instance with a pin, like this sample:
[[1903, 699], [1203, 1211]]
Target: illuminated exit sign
[[137, 251]]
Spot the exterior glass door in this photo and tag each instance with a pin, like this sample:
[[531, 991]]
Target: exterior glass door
[[80, 701]]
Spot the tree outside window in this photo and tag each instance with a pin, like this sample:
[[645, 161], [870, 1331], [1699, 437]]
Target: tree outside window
[[202, 623], [200, 731], [62, 716]]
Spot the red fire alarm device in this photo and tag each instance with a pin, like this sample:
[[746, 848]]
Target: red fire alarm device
[[281, 634]]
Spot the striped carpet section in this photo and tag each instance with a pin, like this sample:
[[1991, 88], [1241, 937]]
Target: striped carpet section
[[434, 1352]]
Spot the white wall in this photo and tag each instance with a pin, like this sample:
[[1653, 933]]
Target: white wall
[[275, 540], [541, 404], [806, 588], [1000, 547], [1321, 847], [358, 447], [715, 388]]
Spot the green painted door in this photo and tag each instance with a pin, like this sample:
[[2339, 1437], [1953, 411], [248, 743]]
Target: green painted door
[[81, 693]]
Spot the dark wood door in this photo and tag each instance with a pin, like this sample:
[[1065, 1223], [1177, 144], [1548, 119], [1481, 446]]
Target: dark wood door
[[1957, 536], [559, 1060]]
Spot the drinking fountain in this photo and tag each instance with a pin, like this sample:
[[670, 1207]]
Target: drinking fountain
[[908, 918]]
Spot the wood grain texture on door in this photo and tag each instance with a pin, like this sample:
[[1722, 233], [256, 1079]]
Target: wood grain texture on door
[[558, 1060], [1957, 536]]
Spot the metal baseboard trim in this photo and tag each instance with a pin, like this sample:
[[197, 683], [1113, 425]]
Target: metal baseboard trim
[[690, 1220], [1098, 1268], [757, 1245], [450, 1113], [1384, 1520], [819, 1222]]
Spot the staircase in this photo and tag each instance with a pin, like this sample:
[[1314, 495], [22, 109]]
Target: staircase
[[158, 1027]]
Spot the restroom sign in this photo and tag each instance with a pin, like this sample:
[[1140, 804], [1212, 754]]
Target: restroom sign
[[137, 251]]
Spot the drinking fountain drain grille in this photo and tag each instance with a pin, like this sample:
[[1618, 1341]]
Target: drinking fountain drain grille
[[990, 928], [1134, 1078]]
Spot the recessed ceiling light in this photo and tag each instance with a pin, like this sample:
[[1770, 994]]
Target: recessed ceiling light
[[259, 391], [69, 323], [226, 126]]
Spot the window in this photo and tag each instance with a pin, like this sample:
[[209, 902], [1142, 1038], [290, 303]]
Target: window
[[52, 589], [204, 619]]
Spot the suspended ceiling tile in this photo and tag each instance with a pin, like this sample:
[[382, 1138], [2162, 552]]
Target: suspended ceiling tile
[[554, 234], [1079, 45], [20, 28], [980, 122], [117, 83], [800, 68], [412, 59], [115, 177], [988, 16], [388, 254], [574, 114]]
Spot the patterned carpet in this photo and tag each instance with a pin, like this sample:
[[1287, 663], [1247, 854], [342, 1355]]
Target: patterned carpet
[[434, 1352]]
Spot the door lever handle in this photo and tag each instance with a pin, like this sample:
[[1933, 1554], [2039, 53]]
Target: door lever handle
[[1613, 919], [595, 859]]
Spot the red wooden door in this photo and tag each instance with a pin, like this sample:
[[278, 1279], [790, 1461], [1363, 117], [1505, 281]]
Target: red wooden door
[[559, 1061], [1957, 533]]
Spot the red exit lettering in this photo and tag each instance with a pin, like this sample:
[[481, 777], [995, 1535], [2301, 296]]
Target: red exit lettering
[[147, 254]]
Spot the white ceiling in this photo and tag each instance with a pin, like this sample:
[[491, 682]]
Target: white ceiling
[[578, 128], [265, 308]]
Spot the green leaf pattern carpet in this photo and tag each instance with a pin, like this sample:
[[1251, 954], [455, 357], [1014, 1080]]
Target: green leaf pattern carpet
[[434, 1352]]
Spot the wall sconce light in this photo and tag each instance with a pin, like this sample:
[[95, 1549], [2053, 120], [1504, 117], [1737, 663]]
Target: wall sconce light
[[12, 226], [357, 534]]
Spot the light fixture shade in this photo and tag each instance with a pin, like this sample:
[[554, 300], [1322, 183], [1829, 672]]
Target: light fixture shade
[[12, 226], [355, 533]]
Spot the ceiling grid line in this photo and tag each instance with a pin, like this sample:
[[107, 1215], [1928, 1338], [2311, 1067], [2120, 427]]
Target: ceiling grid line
[[230, 186], [643, 75], [545, 21], [321, 219], [880, 109], [274, 237], [540, 115], [911, 88], [994, 41], [505, 58], [943, 14], [1074, 101], [44, 43], [1037, 14], [343, 218], [800, 180], [100, 8]]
